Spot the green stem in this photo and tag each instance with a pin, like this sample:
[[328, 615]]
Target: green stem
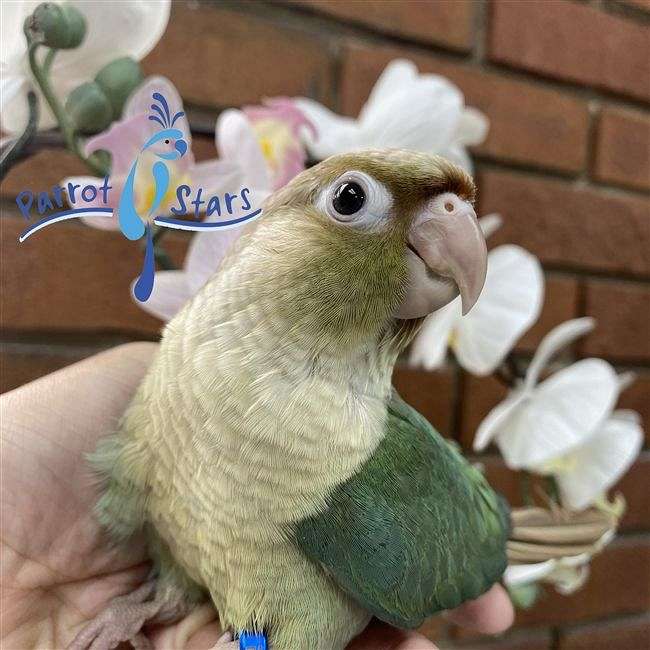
[[47, 62], [13, 151], [42, 79], [163, 259], [526, 488]]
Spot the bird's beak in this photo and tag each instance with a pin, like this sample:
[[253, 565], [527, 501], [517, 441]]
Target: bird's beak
[[447, 256], [181, 147]]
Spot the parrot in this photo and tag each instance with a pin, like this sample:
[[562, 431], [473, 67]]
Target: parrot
[[267, 458]]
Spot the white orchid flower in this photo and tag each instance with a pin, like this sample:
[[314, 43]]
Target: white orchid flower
[[564, 425], [509, 304], [131, 28], [238, 144], [586, 472], [407, 110], [567, 574]]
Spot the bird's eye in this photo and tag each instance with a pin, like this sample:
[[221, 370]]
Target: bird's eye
[[356, 198], [166, 141], [348, 198]]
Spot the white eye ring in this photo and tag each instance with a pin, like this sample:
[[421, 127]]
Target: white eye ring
[[375, 203]]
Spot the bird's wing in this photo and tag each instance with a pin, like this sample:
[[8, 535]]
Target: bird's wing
[[417, 530]]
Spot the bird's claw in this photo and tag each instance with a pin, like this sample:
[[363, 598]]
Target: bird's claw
[[121, 621]]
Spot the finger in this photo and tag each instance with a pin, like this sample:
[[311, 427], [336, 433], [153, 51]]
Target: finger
[[379, 636], [491, 613]]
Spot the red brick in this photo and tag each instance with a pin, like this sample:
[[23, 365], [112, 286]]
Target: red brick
[[41, 171], [560, 304], [431, 393], [567, 225], [480, 395], [637, 398], [629, 633], [623, 148], [506, 481], [572, 41], [445, 22], [224, 58], [528, 124], [622, 312], [635, 489], [71, 278], [20, 367], [619, 583]]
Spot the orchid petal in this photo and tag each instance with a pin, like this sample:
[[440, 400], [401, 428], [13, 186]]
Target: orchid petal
[[509, 304], [132, 31], [568, 578], [423, 119], [237, 142], [430, 346], [490, 223], [123, 140], [141, 99], [206, 253], [473, 127], [562, 413], [398, 76], [601, 461], [169, 294], [523, 574], [336, 134], [100, 223], [496, 419], [558, 338], [216, 177]]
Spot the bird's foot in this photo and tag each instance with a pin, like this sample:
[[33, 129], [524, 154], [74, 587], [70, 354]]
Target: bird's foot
[[226, 642], [121, 621]]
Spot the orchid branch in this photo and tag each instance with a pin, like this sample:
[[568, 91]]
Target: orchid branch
[[14, 150]]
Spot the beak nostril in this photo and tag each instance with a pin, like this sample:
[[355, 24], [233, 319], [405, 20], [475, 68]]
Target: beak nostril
[[449, 206]]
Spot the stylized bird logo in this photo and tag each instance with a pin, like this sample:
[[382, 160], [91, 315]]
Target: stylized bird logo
[[167, 144]]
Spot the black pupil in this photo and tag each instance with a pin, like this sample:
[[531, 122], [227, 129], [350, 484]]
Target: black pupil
[[166, 141], [348, 198]]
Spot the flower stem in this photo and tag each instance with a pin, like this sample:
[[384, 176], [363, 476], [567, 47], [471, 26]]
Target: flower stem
[[13, 152], [41, 75]]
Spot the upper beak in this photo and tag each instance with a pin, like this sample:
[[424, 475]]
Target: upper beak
[[180, 146], [452, 246]]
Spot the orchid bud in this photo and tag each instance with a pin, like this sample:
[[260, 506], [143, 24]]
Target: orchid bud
[[89, 109], [60, 27], [118, 79]]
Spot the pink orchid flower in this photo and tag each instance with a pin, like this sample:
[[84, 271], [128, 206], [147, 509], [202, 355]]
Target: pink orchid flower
[[278, 124], [124, 140], [238, 144]]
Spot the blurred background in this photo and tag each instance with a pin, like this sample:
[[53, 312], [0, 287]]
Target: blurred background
[[566, 87]]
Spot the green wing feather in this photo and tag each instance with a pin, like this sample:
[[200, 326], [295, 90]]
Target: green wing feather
[[417, 530]]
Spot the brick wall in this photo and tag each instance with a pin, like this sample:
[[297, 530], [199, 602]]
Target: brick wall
[[566, 85]]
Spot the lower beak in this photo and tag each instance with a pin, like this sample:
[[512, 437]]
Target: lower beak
[[453, 247], [180, 146]]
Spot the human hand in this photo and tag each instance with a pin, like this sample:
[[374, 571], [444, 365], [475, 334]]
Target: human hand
[[59, 569]]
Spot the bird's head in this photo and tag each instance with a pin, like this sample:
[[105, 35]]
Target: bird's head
[[168, 144], [367, 241]]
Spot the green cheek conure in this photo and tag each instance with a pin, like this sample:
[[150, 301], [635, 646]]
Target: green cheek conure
[[266, 457]]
